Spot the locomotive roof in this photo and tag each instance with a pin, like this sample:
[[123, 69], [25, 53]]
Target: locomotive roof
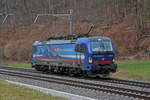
[[67, 41], [60, 41], [95, 38], [100, 37], [53, 42]]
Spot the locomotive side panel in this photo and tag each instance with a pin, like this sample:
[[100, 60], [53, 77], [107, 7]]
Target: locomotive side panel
[[58, 55]]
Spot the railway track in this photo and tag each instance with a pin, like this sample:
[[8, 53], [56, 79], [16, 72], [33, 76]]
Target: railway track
[[128, 82], [85, 85], [111, 80]]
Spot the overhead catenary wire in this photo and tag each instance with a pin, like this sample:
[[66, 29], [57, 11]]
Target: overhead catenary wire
[[70, 17], [6, 16]]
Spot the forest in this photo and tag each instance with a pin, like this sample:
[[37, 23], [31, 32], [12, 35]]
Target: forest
[[126, 22]]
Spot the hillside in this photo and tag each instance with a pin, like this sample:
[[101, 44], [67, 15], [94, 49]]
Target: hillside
[[116, 19]]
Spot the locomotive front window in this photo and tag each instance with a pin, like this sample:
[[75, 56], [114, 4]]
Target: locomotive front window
[[101, 46]]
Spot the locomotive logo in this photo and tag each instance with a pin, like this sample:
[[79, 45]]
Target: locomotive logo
[[103, 59], [54, 49]]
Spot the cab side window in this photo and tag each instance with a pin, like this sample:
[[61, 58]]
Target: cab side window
[[81, 48]]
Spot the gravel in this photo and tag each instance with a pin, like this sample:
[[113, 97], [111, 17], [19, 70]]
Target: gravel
[[90, 81], [69, 89]]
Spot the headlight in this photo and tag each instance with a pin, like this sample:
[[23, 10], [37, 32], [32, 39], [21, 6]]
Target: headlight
[[113, 60], [90, 60]]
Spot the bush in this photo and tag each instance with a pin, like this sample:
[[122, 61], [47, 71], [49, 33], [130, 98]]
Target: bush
[[18, 50]]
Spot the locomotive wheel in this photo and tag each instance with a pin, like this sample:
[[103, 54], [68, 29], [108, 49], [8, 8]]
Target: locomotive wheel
[[71, 74], [44, 68], [41, 68], [84, 75], [51, 70], [37, 68]]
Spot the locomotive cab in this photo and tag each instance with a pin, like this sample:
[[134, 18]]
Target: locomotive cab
[[98, 54]]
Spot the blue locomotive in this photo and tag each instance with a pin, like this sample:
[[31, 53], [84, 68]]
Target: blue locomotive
[[81, 56]]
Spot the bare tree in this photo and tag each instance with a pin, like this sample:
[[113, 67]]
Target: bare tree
[[116, 3], [139, 16]]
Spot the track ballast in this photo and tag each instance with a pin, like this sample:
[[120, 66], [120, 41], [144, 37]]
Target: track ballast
[[85, 85], [110, 80]]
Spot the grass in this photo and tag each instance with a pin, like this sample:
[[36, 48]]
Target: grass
[[13, 92], [18, 64], [139, 70]]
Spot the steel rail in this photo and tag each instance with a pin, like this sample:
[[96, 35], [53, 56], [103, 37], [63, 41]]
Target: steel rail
[[92, 86], [129, 82], [111, 80]]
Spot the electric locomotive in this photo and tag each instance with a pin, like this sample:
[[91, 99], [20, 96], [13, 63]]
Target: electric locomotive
[[92, 56]]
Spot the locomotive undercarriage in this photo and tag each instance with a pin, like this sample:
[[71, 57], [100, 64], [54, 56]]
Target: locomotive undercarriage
[[97, 70], [59, 69], [103, 70]]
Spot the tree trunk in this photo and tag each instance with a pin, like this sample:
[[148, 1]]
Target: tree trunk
[[139, 16], [137, 19]]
